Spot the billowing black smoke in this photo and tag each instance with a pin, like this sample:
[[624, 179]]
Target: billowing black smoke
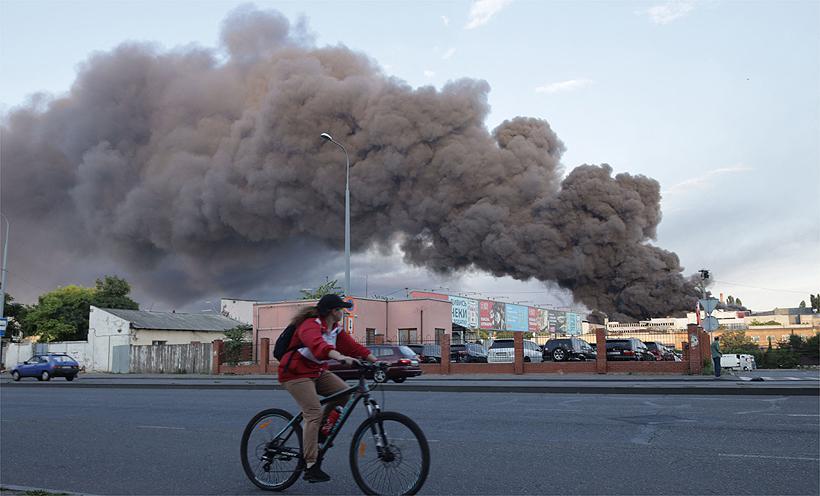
[[201, 172]]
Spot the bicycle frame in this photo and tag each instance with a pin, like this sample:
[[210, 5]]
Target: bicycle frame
[[358, 393]]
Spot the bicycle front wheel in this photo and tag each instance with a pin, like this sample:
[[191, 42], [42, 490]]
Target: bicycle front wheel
[[272, 455], [389, 455]]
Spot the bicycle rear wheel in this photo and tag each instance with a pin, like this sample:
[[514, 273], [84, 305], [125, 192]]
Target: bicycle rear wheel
[[400, 465], [272, 462]]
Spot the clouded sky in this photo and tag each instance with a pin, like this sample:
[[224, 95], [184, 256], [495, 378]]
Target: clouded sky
[[716, 100]]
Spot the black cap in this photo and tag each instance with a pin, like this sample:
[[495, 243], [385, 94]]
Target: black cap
[[331, 302]]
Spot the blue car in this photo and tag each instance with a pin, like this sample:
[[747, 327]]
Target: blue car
[[46, 366]]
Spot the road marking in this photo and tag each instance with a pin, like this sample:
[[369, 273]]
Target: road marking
[[795, 414], [772, 457], [160, 427]]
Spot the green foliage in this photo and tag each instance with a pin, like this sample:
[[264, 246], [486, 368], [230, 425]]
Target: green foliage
[[234, 339], [738, 302], [60, 315], [730, 300], [112, 292], [802, 304], [739, 342], [815, 302], [767, 323], [708, 367], [16, 312], [326, 288]]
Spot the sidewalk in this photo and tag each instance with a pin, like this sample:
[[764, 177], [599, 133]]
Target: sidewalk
[[807, 384]]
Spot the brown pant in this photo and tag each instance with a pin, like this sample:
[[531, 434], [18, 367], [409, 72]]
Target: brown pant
[[306, 392]]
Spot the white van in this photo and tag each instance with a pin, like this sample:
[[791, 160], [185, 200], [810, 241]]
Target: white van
[[737, 361]]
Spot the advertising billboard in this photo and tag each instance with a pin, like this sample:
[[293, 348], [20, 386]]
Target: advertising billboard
[[517, 317], [460, 308], [573, 323], [485, 319], [472, 313], [533, 319]]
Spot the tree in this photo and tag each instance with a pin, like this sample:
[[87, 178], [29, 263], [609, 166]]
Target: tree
[[802, 304], [112, 292], [730, 300], [60, 315], [16, 313], [234, 339], [737, 342], [326, 288], [815, 302], [738, 302]]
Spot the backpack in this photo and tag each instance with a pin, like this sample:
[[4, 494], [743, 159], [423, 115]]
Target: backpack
[[282, 345]]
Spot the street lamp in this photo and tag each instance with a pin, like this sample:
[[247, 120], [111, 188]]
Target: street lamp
[[347, 212], [3, 277]]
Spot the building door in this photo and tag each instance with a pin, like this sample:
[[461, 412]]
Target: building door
[[370, 336]]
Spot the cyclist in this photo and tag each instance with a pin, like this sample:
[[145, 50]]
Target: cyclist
[[303, 369]]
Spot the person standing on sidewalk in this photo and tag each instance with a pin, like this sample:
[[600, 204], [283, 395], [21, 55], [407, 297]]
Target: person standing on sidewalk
[[716, 354], [303, 370]]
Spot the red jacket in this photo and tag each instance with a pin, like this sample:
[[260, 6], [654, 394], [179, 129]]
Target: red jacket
[[311, 334]]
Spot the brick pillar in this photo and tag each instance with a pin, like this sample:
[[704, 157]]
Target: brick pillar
[[518, 345], [216, 352], [264, 355], [444, 366], [600, 347], [695, 347]]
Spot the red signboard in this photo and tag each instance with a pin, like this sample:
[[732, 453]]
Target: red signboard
[[534, 319], [485, 319]]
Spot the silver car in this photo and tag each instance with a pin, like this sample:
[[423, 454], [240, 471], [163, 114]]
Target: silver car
[[503, 351]]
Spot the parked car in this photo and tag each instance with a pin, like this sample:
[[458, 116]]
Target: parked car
[[502, 350], [562, 349], [46, 366], [402, 363], [427, 353], [627, 349], [468, 353], [660, 351]]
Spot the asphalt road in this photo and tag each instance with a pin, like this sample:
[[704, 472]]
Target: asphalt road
[[150, 441]]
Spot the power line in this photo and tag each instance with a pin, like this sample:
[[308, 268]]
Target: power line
[[765, 289]]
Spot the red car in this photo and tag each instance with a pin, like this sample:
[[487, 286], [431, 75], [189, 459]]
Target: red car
[[402, 363]]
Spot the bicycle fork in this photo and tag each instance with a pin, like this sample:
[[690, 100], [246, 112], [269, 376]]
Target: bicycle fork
[[377, 429]]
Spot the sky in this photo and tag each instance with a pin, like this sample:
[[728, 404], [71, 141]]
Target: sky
[[719, 101]]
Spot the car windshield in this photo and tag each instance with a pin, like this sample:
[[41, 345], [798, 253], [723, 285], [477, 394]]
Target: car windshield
[[404, 350], [62, 358], [477, 349], [502, 343]]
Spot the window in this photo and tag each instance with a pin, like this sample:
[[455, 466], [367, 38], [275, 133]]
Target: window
[[439, 334], [408, 336], [157, 343], [370, 336], [755, 339]]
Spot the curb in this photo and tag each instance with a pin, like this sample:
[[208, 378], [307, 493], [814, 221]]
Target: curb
[[680, 390]]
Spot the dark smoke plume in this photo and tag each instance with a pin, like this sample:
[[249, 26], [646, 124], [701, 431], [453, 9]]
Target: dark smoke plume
[[200, 172]]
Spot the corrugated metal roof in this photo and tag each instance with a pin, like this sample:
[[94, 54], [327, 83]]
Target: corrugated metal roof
[[140, 319]]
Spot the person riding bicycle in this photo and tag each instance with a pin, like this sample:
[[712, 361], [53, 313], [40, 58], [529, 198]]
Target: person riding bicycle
[[303, 369]]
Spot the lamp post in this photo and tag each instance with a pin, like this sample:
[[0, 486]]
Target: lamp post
[[3, 276], [347, 212]]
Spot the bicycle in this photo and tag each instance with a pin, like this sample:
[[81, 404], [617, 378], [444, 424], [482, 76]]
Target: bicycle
[[399, 457]]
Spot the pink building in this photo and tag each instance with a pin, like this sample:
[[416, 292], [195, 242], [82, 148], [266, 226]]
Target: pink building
[[369, 321]]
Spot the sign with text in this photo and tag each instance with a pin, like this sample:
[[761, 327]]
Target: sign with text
[[517, 317]]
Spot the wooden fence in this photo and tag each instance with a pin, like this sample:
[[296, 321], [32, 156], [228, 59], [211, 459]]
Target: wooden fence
[[194, 358]]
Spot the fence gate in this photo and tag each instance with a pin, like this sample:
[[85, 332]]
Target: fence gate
[[120, 359]]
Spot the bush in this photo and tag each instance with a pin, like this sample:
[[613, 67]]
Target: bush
[[234, 338]]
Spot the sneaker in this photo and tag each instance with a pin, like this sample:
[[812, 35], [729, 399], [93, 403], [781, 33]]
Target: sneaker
[[315, 474]]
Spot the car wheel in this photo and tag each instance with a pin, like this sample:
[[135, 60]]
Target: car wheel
[[45, 376], [15, 376], [400, 379], [582, 358], [380, 376], [526, 359], [70, 377], [559, 355]]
